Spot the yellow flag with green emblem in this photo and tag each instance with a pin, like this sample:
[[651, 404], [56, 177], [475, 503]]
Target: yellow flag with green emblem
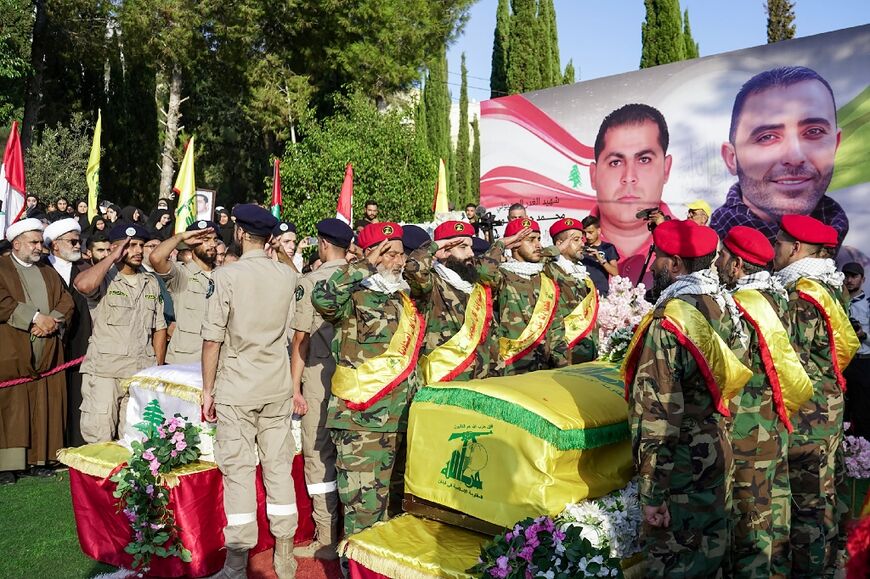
[[92, 175], [185, 188]]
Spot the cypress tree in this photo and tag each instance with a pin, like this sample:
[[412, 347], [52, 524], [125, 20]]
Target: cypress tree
[[780, 20], [662, 33], [474, 196], [545, 54], [500, 48], [568, 78], [524, 70], [436, 100], [555, 62], [462, 161], [691, 46]]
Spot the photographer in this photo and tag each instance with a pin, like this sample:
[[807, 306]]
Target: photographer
[[857, 373], [601, 259]]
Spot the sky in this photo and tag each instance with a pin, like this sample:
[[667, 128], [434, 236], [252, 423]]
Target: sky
[[603, 38]]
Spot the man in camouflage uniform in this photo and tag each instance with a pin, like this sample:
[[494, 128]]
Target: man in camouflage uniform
[[364, 302], [759, 432], [815, 460], [313, 366], [516, 287], [574, 286], [682, 450], [442, 274]]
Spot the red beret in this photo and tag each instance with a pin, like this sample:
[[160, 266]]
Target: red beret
[[451, 229], [808, 229], [685, 238], [750, 244], [374, 233], [519, 224], [565, 224]]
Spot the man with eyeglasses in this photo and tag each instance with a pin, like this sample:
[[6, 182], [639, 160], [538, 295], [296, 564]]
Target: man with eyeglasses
[[63, 239]]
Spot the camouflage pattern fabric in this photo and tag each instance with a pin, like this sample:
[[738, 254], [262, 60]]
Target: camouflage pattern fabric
[[571, 293], [365, 321], [371, 471], [514, 299], [682, 452], [814, 456], [761, 494], [443, 306]]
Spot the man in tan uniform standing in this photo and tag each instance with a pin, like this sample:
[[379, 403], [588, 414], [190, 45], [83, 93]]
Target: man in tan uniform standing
[[189, 284], [313, 365], [129, 331], [247, 389]]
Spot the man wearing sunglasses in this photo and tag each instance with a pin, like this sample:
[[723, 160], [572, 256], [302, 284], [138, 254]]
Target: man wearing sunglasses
[[63, 239]]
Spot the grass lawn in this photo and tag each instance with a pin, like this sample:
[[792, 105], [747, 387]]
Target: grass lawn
[[38, 532]]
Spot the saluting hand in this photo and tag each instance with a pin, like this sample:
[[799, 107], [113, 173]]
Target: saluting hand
[[514, 241], [376, 256], [195, 237], [119, 251], [447, 244]]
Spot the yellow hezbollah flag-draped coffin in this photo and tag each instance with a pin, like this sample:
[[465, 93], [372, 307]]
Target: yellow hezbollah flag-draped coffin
[[507, 448]]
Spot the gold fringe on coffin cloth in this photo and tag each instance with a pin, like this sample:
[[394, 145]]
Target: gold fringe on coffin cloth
[[174, 389], [101, 458]]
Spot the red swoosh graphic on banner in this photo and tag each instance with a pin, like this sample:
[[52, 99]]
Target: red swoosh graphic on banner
[[516, 109], [505, 184]]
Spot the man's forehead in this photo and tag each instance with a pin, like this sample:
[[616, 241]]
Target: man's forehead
[[782, 104], [632, 138], [70, 235]]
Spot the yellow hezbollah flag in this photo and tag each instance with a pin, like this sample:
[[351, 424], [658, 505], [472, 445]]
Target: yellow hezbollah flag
[[185, 188], [92, 175], [440, 204]]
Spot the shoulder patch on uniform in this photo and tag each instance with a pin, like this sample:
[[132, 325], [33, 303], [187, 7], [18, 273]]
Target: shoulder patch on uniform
[[210, 290], [300, 293]]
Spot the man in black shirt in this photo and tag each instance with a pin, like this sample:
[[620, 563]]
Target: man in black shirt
[[601, 257]]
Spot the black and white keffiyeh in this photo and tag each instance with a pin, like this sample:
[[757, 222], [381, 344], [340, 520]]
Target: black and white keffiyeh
[[819, 269]]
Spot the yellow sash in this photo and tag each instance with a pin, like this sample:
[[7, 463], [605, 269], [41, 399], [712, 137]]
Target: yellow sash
[[841, 336], [450, 359], [582, 319], [723, 372], [542, 316], [788, 379], [364, 385]]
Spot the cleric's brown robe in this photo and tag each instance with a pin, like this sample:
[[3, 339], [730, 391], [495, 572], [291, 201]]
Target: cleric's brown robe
[[33, 414]]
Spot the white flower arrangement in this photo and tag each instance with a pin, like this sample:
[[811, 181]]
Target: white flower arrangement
[[609, 522], [618, 316]]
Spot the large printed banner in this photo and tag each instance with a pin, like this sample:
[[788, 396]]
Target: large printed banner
[[756, 134]]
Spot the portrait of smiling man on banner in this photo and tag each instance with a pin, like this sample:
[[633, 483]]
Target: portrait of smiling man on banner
[[782, 143]]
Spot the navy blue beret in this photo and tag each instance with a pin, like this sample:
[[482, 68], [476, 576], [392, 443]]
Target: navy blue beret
[[125, 230], [413, 237], [479, 246], [203, 224], [283, 227], [254, 219], [335, 231]]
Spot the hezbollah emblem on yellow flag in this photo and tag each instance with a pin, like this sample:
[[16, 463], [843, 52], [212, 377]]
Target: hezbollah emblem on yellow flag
[[185, 188]]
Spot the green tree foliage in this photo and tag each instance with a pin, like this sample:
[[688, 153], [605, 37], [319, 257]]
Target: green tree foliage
[[56, 165], [555, 77], [662, 33], [545, 54], [391, 165], [691, 46], [15, 30], [436, 99], [462, 161], [498, 85], [524, 69], [780, 20], [569, 77], [475, 163]]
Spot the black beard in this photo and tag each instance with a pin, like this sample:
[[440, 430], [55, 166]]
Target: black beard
[[661, 280], [466, 270]]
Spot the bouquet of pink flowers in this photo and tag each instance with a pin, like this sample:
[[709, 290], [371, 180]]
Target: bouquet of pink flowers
[[618, 316]]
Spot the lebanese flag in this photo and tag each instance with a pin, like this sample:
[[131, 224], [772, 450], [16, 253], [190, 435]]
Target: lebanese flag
[[344, 211], [12, 190], [277, 201]]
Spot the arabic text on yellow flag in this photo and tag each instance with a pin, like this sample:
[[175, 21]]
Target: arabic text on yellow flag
[[440, 205], [511, 447], [185, 188], [92, 175]]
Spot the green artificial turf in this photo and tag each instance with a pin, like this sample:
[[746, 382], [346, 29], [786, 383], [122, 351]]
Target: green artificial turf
[[38, 532]]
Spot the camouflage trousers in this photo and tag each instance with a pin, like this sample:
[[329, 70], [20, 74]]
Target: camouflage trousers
[[371, 471], [761, 503]]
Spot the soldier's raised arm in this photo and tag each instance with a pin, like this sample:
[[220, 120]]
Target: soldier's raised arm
[[331, 298], [418, 269]]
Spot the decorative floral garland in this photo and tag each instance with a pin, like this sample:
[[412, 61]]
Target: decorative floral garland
[[618, 315], [143, 494], [588, 539]]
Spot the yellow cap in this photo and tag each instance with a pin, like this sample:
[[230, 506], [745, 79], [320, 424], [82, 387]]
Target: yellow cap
[[700, 204]]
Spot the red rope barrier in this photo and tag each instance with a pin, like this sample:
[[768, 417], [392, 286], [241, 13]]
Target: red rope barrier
[[45, 374]]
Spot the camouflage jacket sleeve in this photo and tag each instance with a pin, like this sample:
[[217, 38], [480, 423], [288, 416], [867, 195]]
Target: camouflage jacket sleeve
[[488, 265], [418, 270], [331, 298], [804, 323], [657, 411]]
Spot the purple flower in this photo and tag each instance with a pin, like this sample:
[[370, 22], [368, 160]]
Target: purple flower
[[160, 432], [509, 536], [148, 454], [139, 536], [180, 445], [173, 453], [149, 490], [527, 552], [154, 466], [502, 569], [179, 435]]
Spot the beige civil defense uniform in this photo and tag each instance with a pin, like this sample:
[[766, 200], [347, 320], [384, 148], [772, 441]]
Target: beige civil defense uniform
[[188, 284], [125, 318], [317, 445], [249, 313]]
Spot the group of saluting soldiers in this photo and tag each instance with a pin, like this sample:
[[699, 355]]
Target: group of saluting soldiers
[[734, 381]]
